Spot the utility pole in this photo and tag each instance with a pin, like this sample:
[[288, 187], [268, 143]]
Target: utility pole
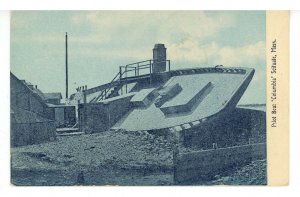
[[66, 65]]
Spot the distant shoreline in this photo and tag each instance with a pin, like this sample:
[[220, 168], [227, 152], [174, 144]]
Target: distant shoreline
[[261, 107], [251, 105]]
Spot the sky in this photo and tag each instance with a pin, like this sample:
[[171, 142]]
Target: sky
[[101, 41]]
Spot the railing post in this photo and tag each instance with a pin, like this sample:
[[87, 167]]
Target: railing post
[[126, 78], [120, 71], [84, 96], [120, 80], [150, 79]]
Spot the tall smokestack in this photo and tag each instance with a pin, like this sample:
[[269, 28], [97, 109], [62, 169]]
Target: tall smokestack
[[66, 65], [159, 58]]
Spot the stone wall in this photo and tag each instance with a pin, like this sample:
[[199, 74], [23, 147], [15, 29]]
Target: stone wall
[[22, 97], [235, 128], [31, 120], [99, 117], [32, 133], [199, 165]]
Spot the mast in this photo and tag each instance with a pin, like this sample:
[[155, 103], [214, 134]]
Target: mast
[[66, 65]]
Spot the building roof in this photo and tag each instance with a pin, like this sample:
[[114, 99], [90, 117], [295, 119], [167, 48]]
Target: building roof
[[54, 95], [27, 83], [39, 92]]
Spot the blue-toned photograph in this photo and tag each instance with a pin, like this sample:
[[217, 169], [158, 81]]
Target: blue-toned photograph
[[138, 98]]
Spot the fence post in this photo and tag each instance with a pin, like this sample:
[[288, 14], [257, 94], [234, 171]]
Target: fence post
[[215, 146], [250, 140], [175, 163]]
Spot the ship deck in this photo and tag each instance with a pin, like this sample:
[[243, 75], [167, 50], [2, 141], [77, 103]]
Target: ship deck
[[223, 88]]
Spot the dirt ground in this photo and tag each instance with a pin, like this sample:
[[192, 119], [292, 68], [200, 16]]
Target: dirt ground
[[109, 155], [111, 158], [251, 174]]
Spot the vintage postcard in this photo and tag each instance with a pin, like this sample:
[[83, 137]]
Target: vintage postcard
[[143, 98]]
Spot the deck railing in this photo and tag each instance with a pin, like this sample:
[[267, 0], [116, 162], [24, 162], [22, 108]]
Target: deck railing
[[129, 71]]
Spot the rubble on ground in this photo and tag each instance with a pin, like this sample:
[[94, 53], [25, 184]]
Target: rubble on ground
[[117, 149]]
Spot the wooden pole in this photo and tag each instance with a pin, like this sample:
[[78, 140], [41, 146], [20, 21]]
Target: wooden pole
[[66, 65]]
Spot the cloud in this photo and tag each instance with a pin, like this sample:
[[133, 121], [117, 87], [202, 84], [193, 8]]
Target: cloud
[[245, 55], [184, 33], [166, 24], [131, 32], [193, 51]]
